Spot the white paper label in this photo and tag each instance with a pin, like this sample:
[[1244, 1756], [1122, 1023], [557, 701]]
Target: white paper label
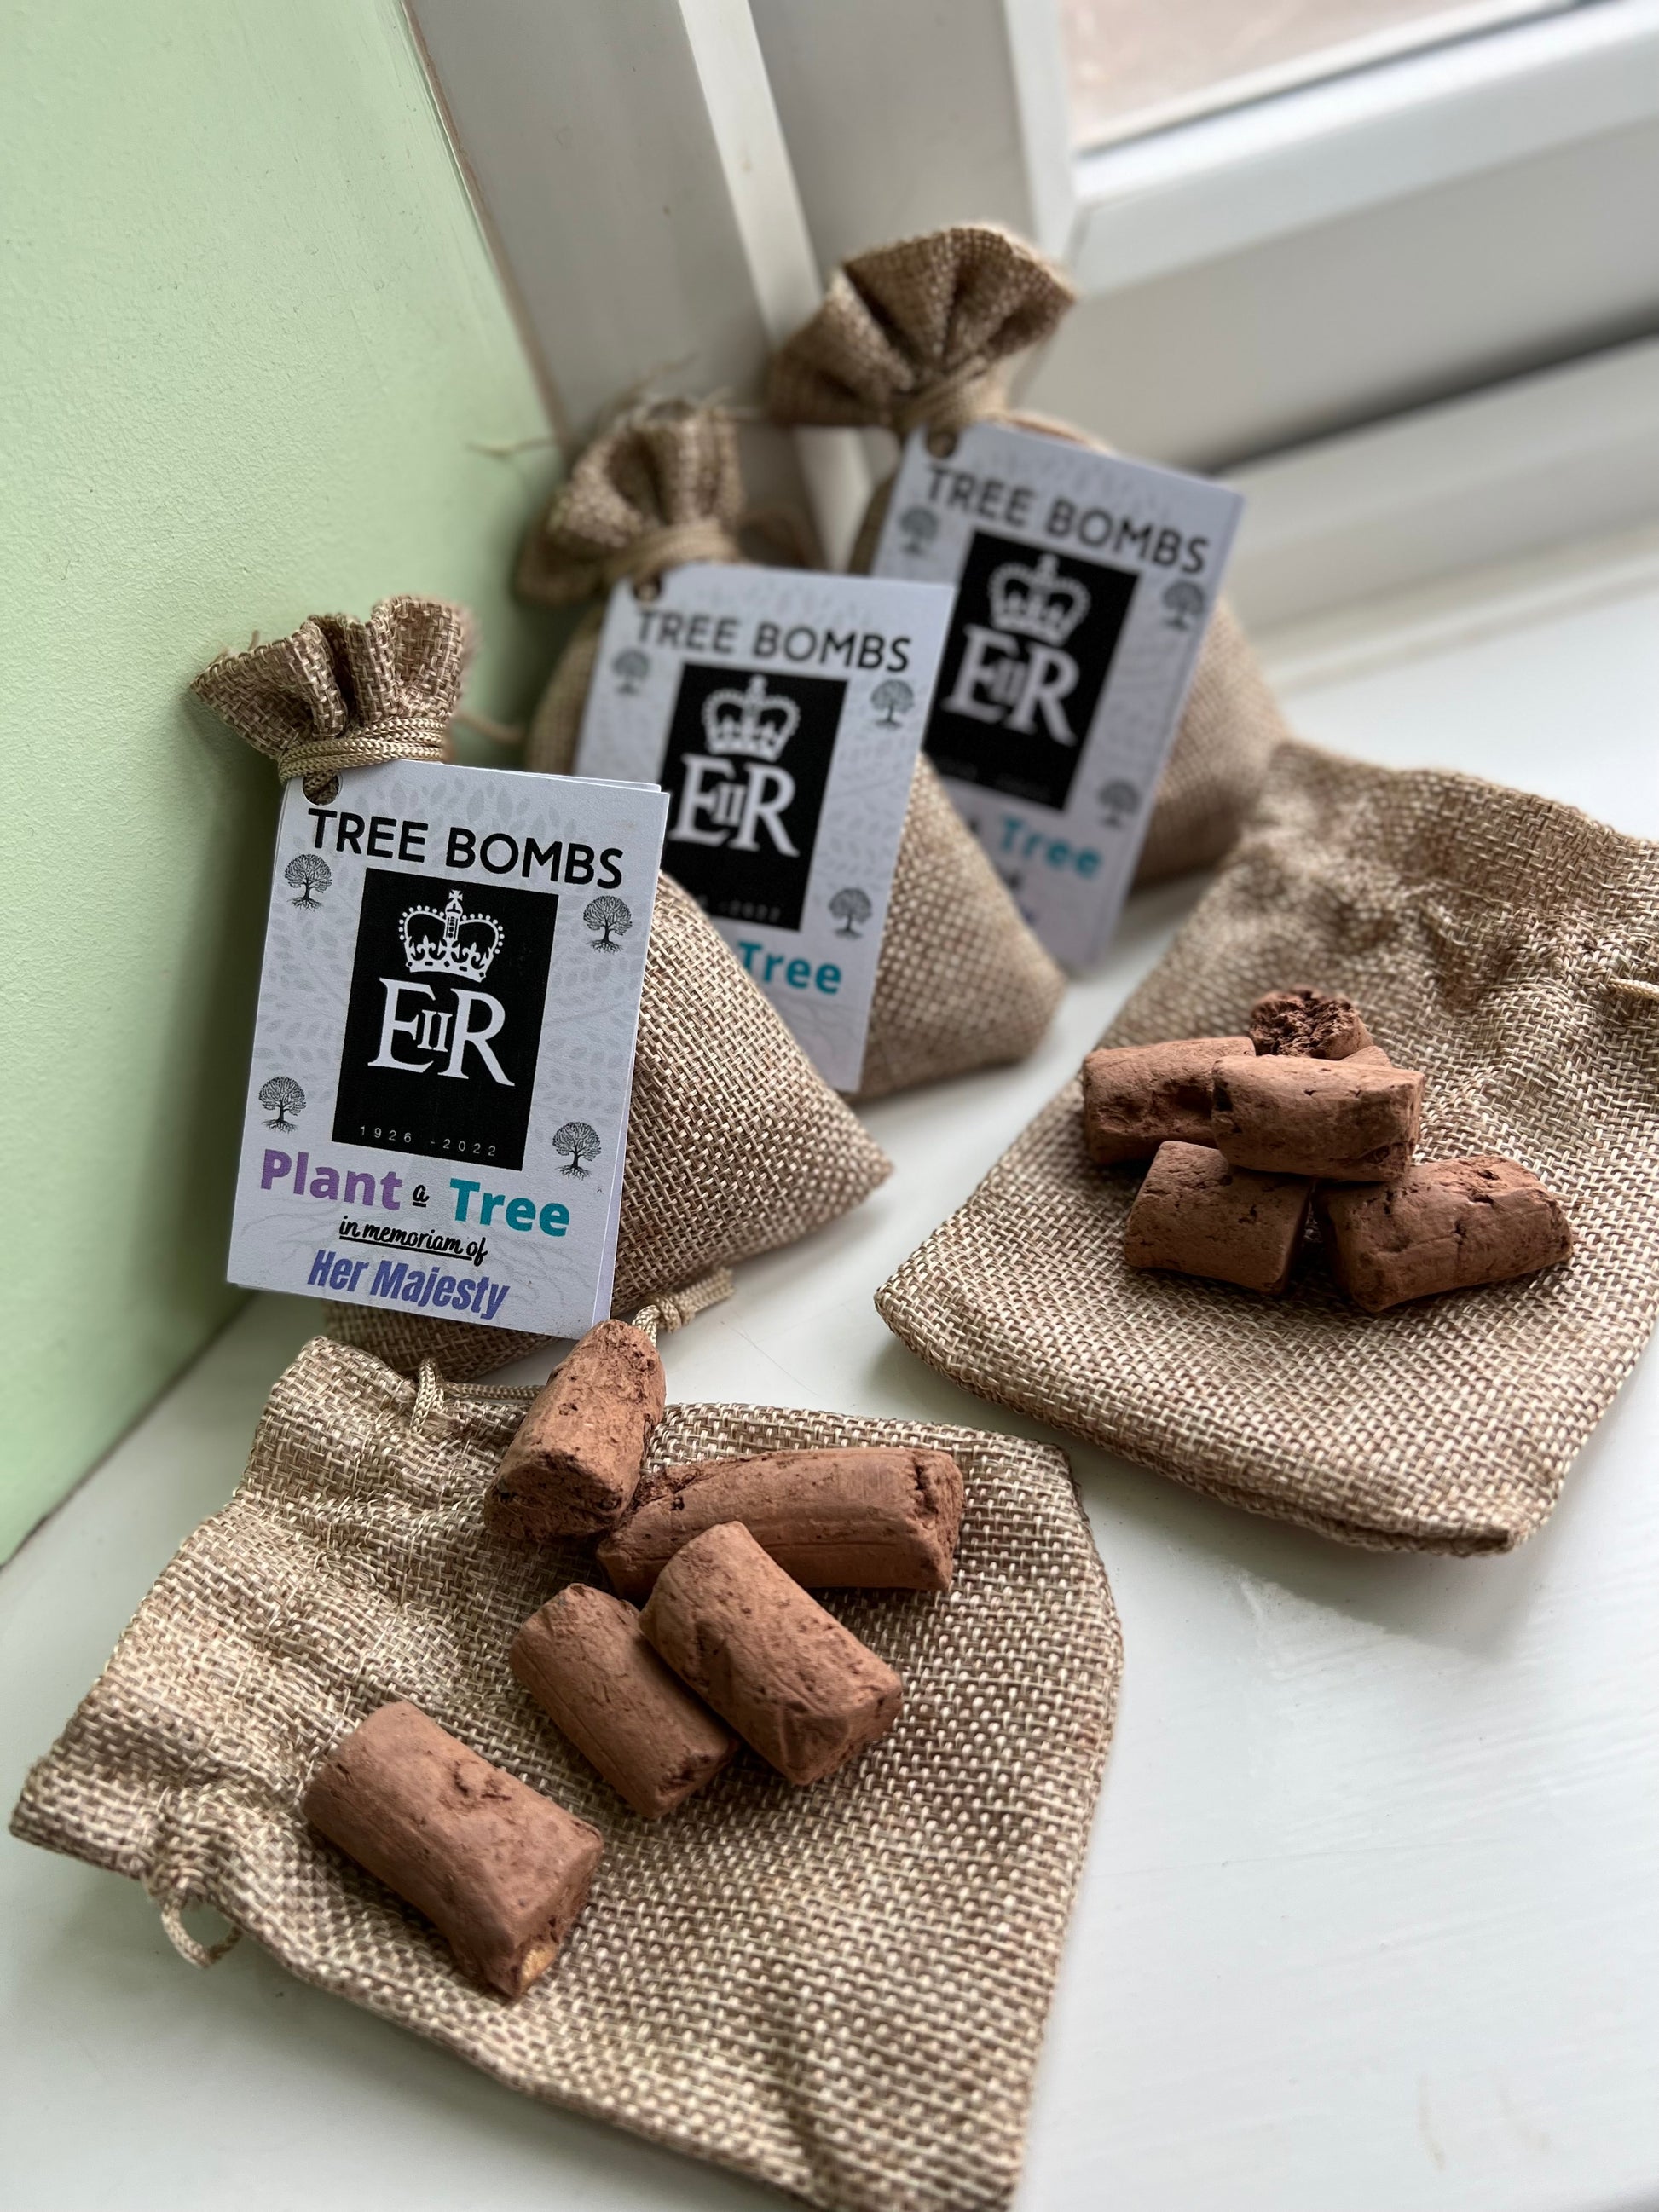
[[438, 1104], [782, 711], [1085, 585]]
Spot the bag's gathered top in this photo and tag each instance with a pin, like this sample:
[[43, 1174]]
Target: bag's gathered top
[[659, 488], [339, 694], [918, 336]]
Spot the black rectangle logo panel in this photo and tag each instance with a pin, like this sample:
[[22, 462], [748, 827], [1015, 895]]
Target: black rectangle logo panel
[[448, 983], [745, 770], [1030, 646]]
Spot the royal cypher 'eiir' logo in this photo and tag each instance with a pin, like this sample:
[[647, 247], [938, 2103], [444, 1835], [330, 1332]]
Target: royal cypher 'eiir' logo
[[434, 1061]]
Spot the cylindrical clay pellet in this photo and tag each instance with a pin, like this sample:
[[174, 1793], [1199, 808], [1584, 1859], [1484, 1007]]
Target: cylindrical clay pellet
[[784, 1672], [574, 1464], [584, 1660], [1196, 1215], [1329, 1118], [876, 1519], [1446, 1225], [1314, 1025], [501, 1870], [1137, 1096]]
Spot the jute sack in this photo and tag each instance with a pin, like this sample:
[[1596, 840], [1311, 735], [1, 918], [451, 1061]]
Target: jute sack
[[840, 1990], [1508, 946], [961, 982], [735, 1143], [919, 336]]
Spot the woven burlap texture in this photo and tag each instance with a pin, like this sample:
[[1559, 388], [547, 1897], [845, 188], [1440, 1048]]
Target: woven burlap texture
[[339, 693], [1507, 945], [735, 1144], [960, 982], [918, 336], [840, 1990]]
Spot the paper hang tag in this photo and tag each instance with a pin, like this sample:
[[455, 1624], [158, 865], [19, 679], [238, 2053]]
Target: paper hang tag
[[1084, 586], [782, 711], [437, 1108]]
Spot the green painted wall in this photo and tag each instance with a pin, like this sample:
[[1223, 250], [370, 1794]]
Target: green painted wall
[[250, 344]]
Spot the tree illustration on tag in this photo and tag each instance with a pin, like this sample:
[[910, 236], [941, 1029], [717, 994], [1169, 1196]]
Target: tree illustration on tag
[[893, 698], [850, 908], [612, 917], [917, 528], [281, 1097], [307, 872], [580, 1141], [1185, 603]]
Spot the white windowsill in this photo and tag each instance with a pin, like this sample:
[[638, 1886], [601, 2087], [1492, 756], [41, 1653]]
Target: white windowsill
[[1369, 1906]]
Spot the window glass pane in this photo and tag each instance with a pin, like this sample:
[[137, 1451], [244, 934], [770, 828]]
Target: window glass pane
[[1136, 65]]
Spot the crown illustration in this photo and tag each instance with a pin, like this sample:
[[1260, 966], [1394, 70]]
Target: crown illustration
[[753, 722], [450, 943], [1038, 602]]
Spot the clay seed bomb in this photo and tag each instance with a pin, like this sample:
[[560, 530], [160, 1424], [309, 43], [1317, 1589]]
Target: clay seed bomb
[[1312, 1110], [1197, 1214], [870, 1519], [502, 1871], [574, 1464], [1137, 1096], [583, 1659], [1328, 1118], [1315, 1024], [1446, 1225], [786, 1674]]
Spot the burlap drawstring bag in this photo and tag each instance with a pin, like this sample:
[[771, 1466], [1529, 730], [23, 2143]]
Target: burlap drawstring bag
[[960, 982], [919, 336], [735, 1143], [1507, 945], [840, 1990]]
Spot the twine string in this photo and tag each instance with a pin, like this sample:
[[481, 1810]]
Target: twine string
[[666, 1312], [197, 1954], [671, 545], [951, 402]]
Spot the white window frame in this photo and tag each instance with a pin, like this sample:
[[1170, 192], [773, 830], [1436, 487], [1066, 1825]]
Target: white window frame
[[667, 181]]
